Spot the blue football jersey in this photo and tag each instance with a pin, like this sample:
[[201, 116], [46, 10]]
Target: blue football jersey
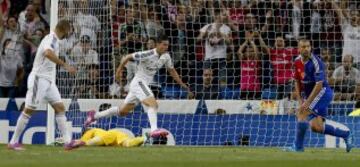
[[315, 71]]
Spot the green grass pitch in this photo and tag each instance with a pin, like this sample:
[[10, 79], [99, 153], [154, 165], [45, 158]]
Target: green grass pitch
[[51, 156]]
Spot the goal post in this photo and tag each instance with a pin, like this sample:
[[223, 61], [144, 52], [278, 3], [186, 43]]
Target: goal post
[[50, 120]]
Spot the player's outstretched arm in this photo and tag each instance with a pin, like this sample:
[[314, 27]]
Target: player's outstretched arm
[[52, 57], [119, 70], [173, 73]]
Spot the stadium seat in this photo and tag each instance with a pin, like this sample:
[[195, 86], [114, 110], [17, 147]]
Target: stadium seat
[[268, 93], [341, 109], [173, 92], [230, 93]]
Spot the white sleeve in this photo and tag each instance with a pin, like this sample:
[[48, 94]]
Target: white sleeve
[[136, 56], [169, 63], [204, 28], [97, 24], [336, 73], [49, 43], [357, 76], [95, 58], [225, 30], [344, 25], [143, 55]]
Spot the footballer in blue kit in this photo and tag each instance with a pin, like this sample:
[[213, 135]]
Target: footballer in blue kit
[[314, 97]]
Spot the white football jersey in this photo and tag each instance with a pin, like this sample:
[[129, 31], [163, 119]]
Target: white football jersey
[[351, 35], [149, 62], [43, 67]]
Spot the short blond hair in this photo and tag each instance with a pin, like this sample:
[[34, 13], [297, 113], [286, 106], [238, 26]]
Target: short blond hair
[[63, 25]]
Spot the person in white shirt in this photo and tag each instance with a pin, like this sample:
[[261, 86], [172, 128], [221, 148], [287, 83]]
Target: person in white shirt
[[31, 22], [87, 24], [149, 62], [82, 56], [44, 17], [351, 32], [346, 79], [42, 87], [217, 38], [11, 71]]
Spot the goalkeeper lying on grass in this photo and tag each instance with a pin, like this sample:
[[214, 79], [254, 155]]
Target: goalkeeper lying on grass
[[101, 137]]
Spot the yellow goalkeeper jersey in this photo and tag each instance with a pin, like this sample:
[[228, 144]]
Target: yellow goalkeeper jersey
[[109, 138], [120, 137]]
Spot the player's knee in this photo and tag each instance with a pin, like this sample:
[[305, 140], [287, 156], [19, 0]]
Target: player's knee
[[123, 113], [28, 111], [155, 106], [301, 116], [59, 107], [316, 128], [150, 102]]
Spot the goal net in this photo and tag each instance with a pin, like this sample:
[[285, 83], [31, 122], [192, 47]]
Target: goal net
[[236, 55]]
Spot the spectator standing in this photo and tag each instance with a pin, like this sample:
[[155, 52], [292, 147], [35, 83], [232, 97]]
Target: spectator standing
[[153, 25], [83, 56], [298, 19], [249, 57], [217, 39], [281, 59], [11, 71], [351, 32], [346, 79], [31, 23], [131, 37], [87, 24], [11, 31]]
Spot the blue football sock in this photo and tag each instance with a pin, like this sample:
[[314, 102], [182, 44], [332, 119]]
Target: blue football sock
[[301, 128], [334, 131]]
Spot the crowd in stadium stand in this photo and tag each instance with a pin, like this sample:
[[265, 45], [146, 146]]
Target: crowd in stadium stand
[[234, 49]]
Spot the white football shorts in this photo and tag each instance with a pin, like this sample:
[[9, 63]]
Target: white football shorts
[[41, 90], [138, 91]]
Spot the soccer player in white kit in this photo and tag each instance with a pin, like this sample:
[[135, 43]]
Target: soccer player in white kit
[[41, 85], [148, 63]]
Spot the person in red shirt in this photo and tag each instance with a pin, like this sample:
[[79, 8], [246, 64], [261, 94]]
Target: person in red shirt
[[281, 59], [298, 76], [249, 57]]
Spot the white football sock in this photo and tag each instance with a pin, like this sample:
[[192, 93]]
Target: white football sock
[[20, 126], [107, 113], [61, 124], [152, 115]]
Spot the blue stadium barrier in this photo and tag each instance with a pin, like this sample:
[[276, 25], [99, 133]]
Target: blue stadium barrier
[[198, 129]]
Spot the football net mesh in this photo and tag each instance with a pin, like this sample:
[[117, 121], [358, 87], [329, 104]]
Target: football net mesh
[[250, 46]]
